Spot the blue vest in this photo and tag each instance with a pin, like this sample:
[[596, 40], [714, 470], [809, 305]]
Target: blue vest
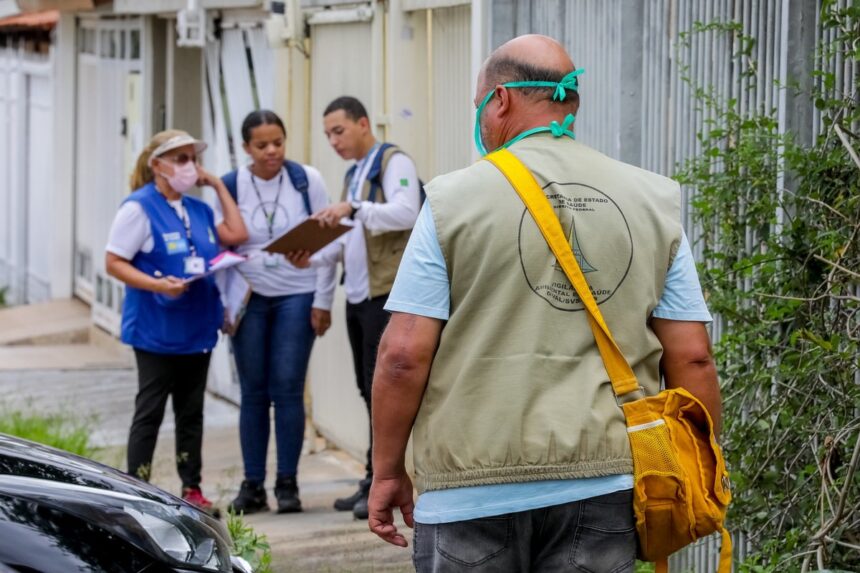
[[155, 322]]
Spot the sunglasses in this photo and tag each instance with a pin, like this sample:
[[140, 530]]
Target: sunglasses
[[180, 159]]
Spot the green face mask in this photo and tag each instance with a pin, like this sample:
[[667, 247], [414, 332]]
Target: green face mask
[[568, 82]]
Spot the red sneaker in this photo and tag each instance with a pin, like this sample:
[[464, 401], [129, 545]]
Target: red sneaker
[[195, 497]]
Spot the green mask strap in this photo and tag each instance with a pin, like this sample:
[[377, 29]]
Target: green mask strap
[[568, 82]]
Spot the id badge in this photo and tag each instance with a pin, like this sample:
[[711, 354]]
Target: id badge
[[270, 260], [195, 265]]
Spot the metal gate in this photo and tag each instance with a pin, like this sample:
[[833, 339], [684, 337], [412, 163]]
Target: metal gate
[[451, 81], [109, 137], [26, 88], [644, 62]]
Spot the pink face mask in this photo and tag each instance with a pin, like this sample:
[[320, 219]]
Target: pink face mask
[[184, 177]]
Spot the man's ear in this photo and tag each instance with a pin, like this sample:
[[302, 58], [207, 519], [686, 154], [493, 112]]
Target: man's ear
[[503, 95], [364, 122], [247, 147]]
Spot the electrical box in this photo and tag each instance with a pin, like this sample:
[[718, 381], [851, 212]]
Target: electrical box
[[284, 22], [191, 26]]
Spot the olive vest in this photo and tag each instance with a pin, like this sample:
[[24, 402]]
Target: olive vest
[[517, 389], [384, 250]]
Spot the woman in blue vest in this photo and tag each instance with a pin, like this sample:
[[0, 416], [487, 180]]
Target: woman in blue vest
[[288, 307], [159, 238]]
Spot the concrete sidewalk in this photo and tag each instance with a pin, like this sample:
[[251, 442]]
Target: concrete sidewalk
[[316, 540]]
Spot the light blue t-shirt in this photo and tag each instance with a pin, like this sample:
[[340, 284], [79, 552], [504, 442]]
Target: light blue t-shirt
[[422, 288]]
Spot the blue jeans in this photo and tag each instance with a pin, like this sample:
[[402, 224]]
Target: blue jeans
[[272, 347], [594, 535]]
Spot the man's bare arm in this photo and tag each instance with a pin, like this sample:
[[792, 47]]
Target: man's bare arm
[[402, 367], [687, 363]]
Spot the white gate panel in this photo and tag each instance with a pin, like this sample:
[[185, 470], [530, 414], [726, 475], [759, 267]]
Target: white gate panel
[[264, 71], [86, 177], [217, 158], [38, 189], [16, 110], [237, 86], [6, 217], [453, 110], [341, 64]]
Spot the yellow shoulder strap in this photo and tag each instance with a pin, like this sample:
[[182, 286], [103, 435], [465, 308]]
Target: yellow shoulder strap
[[620, 374]]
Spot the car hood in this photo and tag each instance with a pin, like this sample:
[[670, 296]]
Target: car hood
[[28, 459]]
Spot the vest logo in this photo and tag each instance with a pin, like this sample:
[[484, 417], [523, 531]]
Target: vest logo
[[174, 243], [599, 236]]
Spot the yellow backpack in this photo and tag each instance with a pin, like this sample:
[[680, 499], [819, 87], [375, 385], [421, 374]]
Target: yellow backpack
[[680, 482]]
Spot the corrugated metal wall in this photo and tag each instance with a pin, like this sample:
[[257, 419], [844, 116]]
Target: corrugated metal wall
[[635, 56], [451, 87]]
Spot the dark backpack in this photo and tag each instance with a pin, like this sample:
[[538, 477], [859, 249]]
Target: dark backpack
[[297, 176], [375, 174]]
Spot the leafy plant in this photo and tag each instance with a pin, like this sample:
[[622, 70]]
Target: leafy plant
[[781, 274], [249, 545], [56, 430]]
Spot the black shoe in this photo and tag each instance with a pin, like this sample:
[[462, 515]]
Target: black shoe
[[251, 499], [348, 503], [287, 494], [359, 510]]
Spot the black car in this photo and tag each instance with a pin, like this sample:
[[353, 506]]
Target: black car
[[62, 513]]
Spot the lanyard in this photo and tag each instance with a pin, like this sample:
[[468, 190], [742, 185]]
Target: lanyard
[[186, 222], [358, 178], [270, 217]]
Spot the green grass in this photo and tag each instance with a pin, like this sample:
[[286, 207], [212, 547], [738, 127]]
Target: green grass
[[55, 430], [249, 545]]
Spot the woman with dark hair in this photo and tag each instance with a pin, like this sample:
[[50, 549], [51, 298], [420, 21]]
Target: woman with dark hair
[[288, 307], [159, 238]]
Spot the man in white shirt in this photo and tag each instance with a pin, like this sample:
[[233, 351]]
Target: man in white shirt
[[382, 197]]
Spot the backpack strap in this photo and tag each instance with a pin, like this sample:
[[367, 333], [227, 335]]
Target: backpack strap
[[299, 179], [295, 171], [377, 168], [229, 180], [347, 179]]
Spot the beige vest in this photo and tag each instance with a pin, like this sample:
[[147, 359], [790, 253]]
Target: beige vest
[[517, 390], [385, 250]]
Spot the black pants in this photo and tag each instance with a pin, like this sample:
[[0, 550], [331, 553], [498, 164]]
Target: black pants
[[159, 375], [365, 322]]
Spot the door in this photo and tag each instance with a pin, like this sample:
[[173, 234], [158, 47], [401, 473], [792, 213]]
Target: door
[[109, 137]]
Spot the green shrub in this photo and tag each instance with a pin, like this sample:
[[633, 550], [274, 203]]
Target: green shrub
[[55, 430], [248, 545], [781, 275]]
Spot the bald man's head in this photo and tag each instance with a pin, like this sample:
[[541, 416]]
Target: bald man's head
[[529, 58]]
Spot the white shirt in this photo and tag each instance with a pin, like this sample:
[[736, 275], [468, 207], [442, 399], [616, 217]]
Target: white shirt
[[398, 213], [271, 274], [131, 231]]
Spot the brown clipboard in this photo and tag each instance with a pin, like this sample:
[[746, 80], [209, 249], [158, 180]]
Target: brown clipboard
[[307, 236]]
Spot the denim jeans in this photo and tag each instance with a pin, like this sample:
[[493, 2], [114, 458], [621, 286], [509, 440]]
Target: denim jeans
[[595, 535], [272, 347]]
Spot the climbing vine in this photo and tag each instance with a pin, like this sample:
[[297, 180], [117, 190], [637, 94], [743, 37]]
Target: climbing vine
[[782, 274]]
